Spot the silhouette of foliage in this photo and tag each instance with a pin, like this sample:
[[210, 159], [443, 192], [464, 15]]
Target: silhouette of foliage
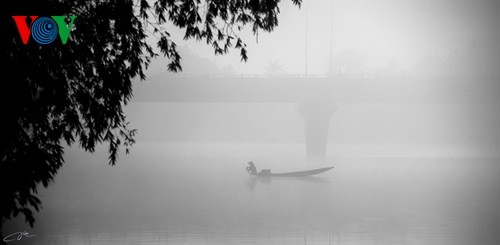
[[74, 93]]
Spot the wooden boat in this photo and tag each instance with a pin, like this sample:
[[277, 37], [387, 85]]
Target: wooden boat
[[267, 173]]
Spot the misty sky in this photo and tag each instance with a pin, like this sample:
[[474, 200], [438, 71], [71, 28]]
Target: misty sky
[[366, 36], [407, 37]]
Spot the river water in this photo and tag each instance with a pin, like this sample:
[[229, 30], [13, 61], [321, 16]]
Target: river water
[[194, 194]]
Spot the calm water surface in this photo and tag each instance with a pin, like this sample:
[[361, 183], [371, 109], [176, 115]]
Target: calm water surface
[[161, 195]]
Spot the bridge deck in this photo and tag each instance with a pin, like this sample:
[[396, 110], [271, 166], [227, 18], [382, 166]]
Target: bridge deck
[[296, 89]]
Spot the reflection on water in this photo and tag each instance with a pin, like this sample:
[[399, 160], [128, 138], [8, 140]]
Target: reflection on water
[[152, 197]]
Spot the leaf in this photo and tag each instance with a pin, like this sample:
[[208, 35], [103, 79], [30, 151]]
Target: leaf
[[243, 54]]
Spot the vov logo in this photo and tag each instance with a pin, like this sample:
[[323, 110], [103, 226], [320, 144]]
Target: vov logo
[[44, 30]]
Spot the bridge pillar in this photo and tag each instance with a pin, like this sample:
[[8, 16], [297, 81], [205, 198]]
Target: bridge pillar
[[316, 117]]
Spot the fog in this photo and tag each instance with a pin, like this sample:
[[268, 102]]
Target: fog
[[400, 97], [194, 193], [365, 37]]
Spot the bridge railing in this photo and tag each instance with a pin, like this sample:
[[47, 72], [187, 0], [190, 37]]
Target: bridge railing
[[247, 75], [333, 76]]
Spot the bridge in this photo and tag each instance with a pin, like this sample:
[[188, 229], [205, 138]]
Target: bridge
[[316, 94]]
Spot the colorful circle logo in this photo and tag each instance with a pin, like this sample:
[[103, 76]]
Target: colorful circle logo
[[44, 30]]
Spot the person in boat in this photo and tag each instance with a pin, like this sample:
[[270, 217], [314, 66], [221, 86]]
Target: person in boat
[[251, 169]]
